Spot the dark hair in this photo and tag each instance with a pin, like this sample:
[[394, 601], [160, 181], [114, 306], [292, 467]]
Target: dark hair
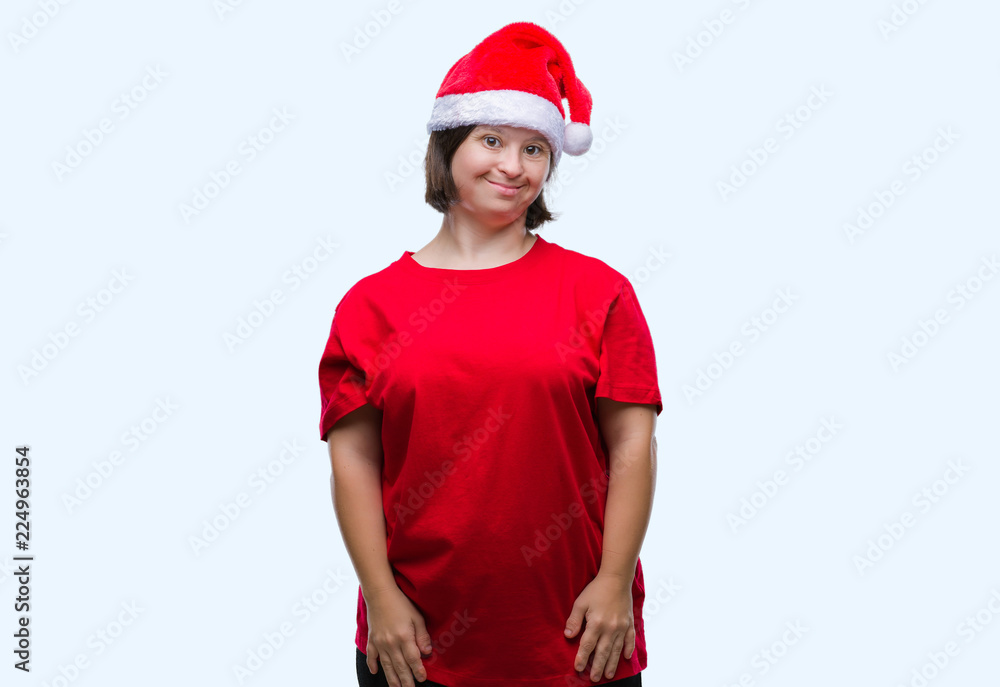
[[441, 193]]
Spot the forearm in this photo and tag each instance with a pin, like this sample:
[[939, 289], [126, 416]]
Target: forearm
[[357, 501], [629, 505]]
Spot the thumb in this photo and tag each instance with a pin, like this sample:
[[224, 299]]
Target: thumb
[[575, 620], [423, 637]]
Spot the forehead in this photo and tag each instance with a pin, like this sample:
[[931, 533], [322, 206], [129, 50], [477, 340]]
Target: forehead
[[529, 134]]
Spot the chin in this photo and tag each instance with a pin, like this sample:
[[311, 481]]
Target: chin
[[500, 217]]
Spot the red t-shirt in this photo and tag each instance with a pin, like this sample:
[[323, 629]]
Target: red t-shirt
[[494, 481]]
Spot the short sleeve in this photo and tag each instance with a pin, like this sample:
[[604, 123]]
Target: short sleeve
[[341, 383], [628, 361]]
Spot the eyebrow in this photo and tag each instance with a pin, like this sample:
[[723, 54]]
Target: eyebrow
[[533, 138]]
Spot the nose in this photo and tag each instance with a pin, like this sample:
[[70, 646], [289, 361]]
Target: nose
[[510, 162]]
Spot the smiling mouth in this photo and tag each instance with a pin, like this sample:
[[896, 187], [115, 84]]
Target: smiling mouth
[[509, 188]]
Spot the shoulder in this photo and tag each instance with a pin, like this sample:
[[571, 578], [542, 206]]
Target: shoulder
[[589, 270], [369, 289]]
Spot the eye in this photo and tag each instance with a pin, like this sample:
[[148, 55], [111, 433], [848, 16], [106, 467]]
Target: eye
[[491, 138], [538, 150]]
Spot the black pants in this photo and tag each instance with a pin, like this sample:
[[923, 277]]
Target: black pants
[[366, 679]]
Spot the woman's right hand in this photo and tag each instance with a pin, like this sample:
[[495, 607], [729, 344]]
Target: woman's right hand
[[396, 635]]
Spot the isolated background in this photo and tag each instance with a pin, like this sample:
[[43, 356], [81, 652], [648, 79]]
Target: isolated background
[[724, 595]]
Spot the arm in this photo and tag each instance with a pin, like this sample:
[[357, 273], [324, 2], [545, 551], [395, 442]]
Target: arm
[[355, 445], [396, 630], [629, 431], [606, 603]]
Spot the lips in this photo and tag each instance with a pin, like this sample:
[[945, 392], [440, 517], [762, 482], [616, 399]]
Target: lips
[[504, 187]]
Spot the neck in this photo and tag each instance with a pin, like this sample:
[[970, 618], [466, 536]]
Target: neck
[[460, 244], [463, 239]]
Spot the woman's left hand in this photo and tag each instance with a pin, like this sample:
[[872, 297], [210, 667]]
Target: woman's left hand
[[606, 604]]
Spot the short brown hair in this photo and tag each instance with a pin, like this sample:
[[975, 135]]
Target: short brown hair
[[441, 193]]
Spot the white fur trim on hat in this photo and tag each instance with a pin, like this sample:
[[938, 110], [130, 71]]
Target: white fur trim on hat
[[499, 108]]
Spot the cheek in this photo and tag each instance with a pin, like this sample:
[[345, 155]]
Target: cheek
[[464, 169], [469, 168]]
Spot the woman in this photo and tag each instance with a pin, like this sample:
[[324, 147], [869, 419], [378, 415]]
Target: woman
[[489, 403]]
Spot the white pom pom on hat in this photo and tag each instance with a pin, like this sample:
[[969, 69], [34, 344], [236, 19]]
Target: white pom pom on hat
[[518, 76], [578, 138]]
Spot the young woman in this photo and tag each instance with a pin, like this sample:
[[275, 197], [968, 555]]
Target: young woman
[[489, 403]]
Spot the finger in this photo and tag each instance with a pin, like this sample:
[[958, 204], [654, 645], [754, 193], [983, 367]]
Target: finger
[[601, 656], [424, 639], [390, 673], [412, 656], [587, 643], [575, 620], [401, 667], [612, 665]]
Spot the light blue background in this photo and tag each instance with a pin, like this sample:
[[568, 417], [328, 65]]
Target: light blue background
[[726, 595]]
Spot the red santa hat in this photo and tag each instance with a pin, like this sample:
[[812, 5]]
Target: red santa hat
[[517, 76]]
